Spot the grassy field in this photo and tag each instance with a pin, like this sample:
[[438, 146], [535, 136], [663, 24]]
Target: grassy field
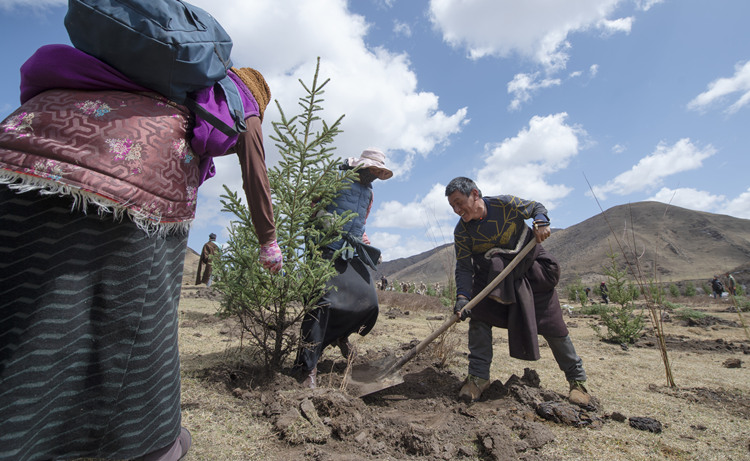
[[707, 417]]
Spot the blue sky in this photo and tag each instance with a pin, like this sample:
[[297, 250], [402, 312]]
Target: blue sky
[[647, 99]]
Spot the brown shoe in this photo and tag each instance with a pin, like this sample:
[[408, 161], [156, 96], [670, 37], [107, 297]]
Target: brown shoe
[[473, 388], [311, 379], [578, 394]]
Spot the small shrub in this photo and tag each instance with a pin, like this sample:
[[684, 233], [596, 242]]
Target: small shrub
[[742, 303], [690, 290], [623, 324], [657, 292], [269, 306], [674, 290], [448, 293], [671, 306], [685, 313], [576, 292], [635, 292], [594, 309], [740, 291], [707, 288]]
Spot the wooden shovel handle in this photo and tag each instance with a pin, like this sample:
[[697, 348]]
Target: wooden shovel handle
[[455, 317]]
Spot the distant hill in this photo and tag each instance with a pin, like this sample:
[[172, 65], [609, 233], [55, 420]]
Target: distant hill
[[431, 266], [191, 266], [684, 244]]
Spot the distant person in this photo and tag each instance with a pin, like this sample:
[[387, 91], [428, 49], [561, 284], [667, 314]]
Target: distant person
[[588, 293], [99, 180], [205, 264], [383, 283], [490, 232], [731, 284], [604, 292], [351, 303], [717, 287]]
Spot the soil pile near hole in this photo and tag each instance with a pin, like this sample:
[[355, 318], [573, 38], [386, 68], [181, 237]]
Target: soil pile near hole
[[684, 343], [420, 417]]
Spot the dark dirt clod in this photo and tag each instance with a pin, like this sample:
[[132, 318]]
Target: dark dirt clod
[[732, 363], [645, 424]]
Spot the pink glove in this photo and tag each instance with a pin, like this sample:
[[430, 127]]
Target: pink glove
[[270, 256]]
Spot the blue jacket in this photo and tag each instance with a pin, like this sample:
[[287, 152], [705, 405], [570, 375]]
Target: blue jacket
[[357, 198]]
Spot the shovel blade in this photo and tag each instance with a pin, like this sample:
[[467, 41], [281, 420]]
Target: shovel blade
[[369, 378]]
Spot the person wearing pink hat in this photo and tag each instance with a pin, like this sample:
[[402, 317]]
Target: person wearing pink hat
[[351, 303]]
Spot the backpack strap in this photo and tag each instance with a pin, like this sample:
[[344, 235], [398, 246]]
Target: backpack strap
[[234, 102]]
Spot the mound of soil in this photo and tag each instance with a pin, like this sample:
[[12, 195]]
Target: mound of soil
[[708, 321], [419, 417], [684, 343]]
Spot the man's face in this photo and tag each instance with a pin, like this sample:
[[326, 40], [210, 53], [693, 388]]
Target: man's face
[[467, 207]]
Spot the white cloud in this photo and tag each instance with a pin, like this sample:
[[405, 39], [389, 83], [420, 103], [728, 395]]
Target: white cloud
[[594, 69], [614, 26], [650, 170], [523, 85], [520, 165], [646, 5], [720, 89], [699, 200], [618, 149], [689, 198], [738, 207], [365, 84], [420, 213], [394, 246], [401, 28], [535, 29]]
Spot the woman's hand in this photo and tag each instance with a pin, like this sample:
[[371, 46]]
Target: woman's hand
[[270, 256]]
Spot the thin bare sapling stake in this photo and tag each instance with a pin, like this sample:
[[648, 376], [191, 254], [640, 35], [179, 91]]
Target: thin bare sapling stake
[[655, 314]]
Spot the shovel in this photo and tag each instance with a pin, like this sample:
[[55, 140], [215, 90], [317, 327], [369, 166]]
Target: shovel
[[370, 378]]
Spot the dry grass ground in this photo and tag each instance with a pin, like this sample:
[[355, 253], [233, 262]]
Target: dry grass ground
[[705, 418]]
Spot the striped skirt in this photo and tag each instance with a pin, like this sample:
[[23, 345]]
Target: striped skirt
[[89, 365]]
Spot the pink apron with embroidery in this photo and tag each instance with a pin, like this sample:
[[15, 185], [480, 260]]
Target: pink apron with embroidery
[[126, 152]]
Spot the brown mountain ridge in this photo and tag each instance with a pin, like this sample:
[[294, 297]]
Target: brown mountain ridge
[[682, 244]]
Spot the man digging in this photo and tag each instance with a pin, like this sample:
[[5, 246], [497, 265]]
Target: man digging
[[491, 231]]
